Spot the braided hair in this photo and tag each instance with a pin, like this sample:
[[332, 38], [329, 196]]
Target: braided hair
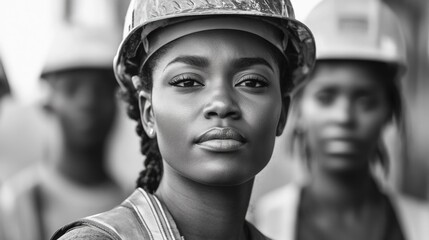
[[150, 177]]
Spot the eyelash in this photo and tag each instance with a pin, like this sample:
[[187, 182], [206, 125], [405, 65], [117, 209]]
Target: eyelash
[[259, 81], [325, 98], [254, 79], [176, 81]]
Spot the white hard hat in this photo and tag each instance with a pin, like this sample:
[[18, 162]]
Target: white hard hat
[[357, 30], [76, 46], [144, 17]]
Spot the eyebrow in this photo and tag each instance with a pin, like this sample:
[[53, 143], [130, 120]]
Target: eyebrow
[[248, 62], [203, 62], [196, 61]]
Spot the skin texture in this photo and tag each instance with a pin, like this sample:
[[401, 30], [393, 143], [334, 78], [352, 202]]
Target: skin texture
[[213, 79], [344, 109]]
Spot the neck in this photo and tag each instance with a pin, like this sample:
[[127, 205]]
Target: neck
[[205, 212], [83, 165], [341, 190]]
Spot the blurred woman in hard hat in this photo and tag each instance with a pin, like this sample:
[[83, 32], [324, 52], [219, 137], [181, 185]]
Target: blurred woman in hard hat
[[74, 183], [337, 119], [207, 84]]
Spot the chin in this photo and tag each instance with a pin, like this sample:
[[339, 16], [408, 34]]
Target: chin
[[225, 176], [345, 164]]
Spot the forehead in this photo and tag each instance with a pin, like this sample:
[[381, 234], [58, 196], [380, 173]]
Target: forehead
[[348, 74], [221, 43], [100, 78]]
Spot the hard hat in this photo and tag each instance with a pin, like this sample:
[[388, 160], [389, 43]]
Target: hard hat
[[78, 46], [296, 41], [357, 30]]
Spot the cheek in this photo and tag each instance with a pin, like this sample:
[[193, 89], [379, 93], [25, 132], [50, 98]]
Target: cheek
[[64, 108], [372, 124], [172, 123], [263, 122], [312, 117], [262, 118]]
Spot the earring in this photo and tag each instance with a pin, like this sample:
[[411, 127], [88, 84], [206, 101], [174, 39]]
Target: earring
[[136, 82], [151, 133], [279, 129]]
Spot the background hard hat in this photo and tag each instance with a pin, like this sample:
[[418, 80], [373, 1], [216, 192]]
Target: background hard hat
[[77, 46], [145, 16], [357, 29]]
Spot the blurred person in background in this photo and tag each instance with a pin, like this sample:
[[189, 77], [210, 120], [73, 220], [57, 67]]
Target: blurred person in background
[[5, 92], [4, 83], [336, 125], [81, 97]]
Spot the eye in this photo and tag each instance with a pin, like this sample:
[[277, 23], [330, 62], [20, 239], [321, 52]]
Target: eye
[[185, 81], [367, 102], [325, 97], [252, 81], [68, 89]]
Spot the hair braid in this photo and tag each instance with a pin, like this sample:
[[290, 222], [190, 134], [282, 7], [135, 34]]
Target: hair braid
[[150, 177]]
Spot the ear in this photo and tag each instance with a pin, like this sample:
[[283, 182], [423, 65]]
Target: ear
[[47, 96], [146, 113], [283, 115], [47, 107]]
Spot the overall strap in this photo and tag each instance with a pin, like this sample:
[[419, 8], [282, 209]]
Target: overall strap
[[140, 216], [153, 215]]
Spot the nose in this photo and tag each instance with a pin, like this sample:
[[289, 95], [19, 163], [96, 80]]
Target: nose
[[87, 99], [222, 104], [344, 113]]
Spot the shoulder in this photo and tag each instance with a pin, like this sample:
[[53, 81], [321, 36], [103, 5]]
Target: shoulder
[[85, 233], [254, 233], [413, 215], [114, 224], [279, 198], [140, 216], [18, 198], [21, 183], [18, 192], [275, 214], [410, 206]]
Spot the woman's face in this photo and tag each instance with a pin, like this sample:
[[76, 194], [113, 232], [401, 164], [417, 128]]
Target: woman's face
[[84, 101], [344, 108], [216, 105]]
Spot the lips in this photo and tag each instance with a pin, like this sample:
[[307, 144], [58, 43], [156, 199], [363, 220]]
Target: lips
[[221, 139], [343, 145]]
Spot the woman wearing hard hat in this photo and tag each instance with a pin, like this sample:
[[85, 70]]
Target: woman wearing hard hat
[[207, 83], [337, 119]]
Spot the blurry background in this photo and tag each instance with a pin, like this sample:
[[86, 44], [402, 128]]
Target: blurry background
[[409, 153], [26, 29], [26, 32]]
